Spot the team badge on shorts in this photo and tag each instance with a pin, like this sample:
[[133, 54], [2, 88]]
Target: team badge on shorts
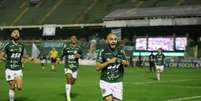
[[9, 76], [103, 91]]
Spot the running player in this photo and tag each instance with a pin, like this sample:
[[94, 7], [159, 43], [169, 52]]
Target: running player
[[53, 56], [13, 55], [111, 61], [43, 62], [159, 62], [72, 52], [151, 62]]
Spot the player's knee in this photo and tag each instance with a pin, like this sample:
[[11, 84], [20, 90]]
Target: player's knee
[[69, 81], [109, 98], [12, 86], [73, 81], [19, 88]]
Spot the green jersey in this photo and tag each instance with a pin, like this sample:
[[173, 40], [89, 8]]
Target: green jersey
[[159, 59], [113, 72], [69, 53], [14, 54]]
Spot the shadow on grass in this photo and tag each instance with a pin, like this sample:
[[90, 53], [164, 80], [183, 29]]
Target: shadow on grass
[[73, 95], [19, 99]]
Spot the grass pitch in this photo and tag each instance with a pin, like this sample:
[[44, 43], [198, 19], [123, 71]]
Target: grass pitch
[[139, 85]]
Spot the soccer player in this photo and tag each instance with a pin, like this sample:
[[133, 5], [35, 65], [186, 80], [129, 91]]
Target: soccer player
[[159, 62], [53, 56], [13, 56], [151, 62], [72, 52], [43, 61], [111, 61]]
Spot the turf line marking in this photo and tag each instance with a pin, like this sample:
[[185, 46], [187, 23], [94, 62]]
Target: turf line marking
[[185, 98], [191, 87], [152, 82]]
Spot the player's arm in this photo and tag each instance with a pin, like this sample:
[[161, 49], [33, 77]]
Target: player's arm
[[124, 61], [63, 53], [79, 54], [2, 56], [100, 66], [4, 49]]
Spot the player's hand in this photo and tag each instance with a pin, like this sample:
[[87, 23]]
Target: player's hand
[[77, 55], [124, 62], [113, 60]]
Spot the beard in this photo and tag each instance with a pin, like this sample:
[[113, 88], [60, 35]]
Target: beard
[[15, 39]]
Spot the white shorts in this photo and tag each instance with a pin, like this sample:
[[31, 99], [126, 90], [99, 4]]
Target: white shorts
[[74, 74], [112, 89], [12, 74], [43, 61], [160, 67]]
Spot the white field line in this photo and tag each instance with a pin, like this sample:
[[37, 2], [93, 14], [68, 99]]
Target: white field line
[[158, 82], [185, 98], [170, 81]]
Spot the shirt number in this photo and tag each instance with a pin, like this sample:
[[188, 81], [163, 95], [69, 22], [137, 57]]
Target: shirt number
[[16, 55]]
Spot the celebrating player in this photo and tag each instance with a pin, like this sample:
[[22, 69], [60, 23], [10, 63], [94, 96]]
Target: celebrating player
[[111, 61], [72, 52], [53, 56], [159, 62], [13, 73]]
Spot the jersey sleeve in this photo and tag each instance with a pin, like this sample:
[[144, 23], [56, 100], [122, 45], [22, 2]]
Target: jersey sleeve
[[23, 48], [5, 47], [80, 52], [123, 54], [99, 56], [63, 52]]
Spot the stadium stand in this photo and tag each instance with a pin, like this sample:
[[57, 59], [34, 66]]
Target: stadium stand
[[19, 12]]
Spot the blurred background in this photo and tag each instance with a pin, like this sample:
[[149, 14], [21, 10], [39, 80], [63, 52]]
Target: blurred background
[[142, 26]]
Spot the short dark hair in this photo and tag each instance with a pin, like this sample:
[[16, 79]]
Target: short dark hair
[[109, 34]]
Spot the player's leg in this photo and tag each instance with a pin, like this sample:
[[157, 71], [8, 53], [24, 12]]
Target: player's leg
[[69, 81], [11, 91], [150, 66], [52, 64], [9, 74], [74, 77], [68, 86], [157, 72], [19, 79], [106, 91], [42, 66], [19, 82], [160, 70], [154, 66], [117, 91], [108, 98]]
